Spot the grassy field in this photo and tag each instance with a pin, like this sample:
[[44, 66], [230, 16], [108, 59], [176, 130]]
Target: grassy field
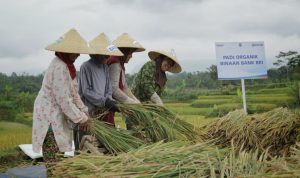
[[13, 134], [258, 100]]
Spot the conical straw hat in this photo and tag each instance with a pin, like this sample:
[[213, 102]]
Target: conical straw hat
[[70, 42], [125, 41], [176, 68], [102, 45]]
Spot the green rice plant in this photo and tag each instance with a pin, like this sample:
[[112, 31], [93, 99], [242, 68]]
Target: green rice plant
[[267, 85], [13, 134], [197, 120], [217, 97], [223, 109], [278, 100], [269, 90], [268, 95], [209, 102], [260, 107], [176, 105], [114, 140], [191, 111]]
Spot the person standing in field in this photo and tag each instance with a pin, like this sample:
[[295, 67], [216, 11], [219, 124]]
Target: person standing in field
[[94, 85], [58, 103], [150, 81], [121, 91]]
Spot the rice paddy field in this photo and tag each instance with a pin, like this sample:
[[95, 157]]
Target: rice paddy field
[[264, 143], [13, 134], [259, 100]]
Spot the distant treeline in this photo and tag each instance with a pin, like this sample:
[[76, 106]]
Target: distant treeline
[[31, 84]]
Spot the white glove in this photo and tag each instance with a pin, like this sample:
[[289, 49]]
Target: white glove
[[86, 111], [130, 95], [156, 99], [130, 101]]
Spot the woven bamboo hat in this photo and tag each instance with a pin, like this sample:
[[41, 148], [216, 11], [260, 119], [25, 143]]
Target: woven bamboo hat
[[125, 41], [102, 45], [176, 68], [70, 42]]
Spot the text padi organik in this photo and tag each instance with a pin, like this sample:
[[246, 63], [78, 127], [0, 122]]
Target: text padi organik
[[244, 56], [241, 60]]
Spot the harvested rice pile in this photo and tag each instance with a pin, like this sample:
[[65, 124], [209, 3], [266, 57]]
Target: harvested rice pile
[[179, 159], [251, 136], [172, 159], [276, 130]]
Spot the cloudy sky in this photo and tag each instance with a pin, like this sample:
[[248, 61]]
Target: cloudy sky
[[191, 27]]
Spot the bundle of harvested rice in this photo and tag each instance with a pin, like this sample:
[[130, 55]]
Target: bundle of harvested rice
[[172, 159], [158, 123], [276, 130], [285, 166], [113, 139]]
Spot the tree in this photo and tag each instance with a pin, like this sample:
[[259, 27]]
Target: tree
[[213, 71], [290, 62]]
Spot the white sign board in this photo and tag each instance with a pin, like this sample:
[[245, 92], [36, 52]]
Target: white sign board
[[241, 60]]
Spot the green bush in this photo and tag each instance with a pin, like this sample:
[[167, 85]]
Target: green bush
[[25, 101], [23, 119], [8, 110], [294, 91]]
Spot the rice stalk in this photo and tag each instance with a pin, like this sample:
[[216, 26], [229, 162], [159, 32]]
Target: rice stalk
[[173, 159], [113, 139], [277, 130], [158, 123]]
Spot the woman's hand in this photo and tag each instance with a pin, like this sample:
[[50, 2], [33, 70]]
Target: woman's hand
[[86, 126]]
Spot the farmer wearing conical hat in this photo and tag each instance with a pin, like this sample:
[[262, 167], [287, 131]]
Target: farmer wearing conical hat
[[94, 85], [150, 81], [58, 101], [121, 92]]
